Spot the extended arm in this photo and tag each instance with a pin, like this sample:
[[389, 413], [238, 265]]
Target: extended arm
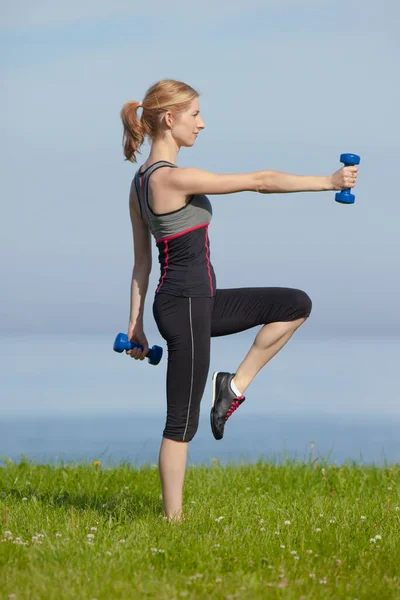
[[197, 181]]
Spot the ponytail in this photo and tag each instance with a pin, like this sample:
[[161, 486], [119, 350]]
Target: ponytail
[[134, 132]]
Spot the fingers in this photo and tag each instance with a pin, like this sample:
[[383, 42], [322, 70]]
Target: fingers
[[350, 176], [136, 353]]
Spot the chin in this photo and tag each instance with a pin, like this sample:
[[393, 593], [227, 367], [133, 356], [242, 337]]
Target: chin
[[186, 143]]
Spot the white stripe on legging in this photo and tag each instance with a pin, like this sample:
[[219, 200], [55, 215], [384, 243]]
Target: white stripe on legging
[[191, 379]]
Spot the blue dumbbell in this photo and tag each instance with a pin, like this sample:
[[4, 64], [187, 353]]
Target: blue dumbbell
[[122, 343], [345, 196]]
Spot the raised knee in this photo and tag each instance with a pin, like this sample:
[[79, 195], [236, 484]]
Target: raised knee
[[304, 304]]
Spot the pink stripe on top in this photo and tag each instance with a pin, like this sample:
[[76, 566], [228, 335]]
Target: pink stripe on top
[[165, 266], [206, 243]]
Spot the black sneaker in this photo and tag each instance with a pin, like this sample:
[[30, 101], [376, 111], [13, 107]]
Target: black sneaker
[[224, 402]]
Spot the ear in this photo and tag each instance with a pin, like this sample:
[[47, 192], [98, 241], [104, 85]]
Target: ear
[[169, 119]]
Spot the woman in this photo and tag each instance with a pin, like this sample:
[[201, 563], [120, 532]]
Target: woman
[[170, 204]]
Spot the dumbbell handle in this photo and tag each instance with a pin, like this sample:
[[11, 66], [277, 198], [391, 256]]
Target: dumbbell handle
[[122, 343]]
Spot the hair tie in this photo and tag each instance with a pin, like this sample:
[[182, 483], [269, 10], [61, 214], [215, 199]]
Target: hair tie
[[141, 103]]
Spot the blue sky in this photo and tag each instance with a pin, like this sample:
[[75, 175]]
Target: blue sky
[[284, 85]]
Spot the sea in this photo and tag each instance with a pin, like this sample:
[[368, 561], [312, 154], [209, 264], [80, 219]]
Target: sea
[[71, 399]]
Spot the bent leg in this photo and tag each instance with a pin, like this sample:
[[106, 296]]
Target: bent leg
[[280, 310]]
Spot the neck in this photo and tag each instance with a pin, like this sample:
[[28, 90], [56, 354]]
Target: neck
[[163, 149]]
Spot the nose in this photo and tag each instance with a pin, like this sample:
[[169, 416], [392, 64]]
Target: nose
[[200, 124]]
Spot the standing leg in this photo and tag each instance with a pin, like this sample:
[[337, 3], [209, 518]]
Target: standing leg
[[185, 323]]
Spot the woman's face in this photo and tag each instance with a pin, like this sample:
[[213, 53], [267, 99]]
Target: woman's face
[[186, 125]]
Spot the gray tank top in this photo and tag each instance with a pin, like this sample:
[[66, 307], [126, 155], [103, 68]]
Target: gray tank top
[[197, 212]]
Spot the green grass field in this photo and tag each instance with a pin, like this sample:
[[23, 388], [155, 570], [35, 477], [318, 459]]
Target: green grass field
[[265, 530]]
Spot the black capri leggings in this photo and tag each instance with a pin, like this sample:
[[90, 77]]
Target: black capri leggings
[[188, 324]]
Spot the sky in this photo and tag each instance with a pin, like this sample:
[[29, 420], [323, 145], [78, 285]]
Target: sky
[[284, 85]]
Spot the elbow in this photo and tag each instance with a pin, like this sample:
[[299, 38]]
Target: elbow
[[142, 266], [264, 182]]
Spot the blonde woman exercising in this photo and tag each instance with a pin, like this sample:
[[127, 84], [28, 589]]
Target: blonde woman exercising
[[171, 204]]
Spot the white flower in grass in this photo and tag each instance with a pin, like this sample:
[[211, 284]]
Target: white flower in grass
[[397, 508], [318, 529], [293, 552], [90, 536], [108, 553], [8, 534], [287, 522], [363, 518], [323, 580], [35, 538], [93, 529], [373, 541], [321, 514], [122, 541], [216, 545], [24, 499], [277, 533], [218, 580], [312, 575], [332, 521], [296, 557], [58, 535], [390, 488], [378, 537], [218, 519], [283, 546], [309, 551]]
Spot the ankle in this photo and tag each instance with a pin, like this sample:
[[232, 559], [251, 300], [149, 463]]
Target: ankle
[[237, 387], [176, 517]]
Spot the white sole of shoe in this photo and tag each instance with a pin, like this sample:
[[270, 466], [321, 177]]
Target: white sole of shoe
[[214, 381]]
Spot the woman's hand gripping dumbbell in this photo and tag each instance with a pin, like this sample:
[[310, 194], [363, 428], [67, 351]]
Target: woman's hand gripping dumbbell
[[138, 349], [345, 178]]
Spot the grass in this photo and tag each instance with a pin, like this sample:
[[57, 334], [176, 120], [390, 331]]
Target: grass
[[292, 531]]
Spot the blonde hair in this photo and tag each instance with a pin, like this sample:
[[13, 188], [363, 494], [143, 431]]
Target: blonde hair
[[167, 94]]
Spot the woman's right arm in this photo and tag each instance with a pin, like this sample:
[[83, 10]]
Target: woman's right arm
[[196, 181], [140, 277]]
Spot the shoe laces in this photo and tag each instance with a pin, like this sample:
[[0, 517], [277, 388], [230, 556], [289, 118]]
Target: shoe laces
[[234, 405]]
